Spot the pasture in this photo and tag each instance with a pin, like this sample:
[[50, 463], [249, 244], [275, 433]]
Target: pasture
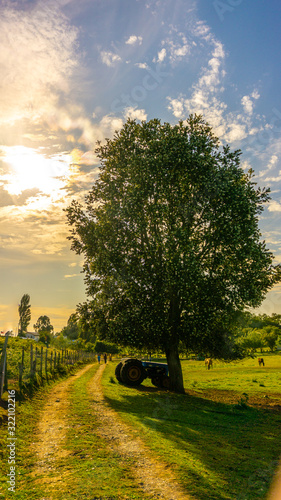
[[222, 437]]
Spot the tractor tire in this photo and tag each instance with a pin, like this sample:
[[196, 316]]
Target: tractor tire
[[117, 371], [157, 381], [162, 381], [132, 372], [166, 382]]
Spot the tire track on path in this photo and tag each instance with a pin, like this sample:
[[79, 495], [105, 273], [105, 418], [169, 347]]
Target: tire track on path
[[152, 476], [51, 432]]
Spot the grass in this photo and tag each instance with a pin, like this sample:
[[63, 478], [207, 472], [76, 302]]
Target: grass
[[218, 441], [27, 415], [90, 470], [219, 450], [242, 376]]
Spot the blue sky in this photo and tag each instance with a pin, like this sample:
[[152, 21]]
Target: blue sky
[[73, 72]]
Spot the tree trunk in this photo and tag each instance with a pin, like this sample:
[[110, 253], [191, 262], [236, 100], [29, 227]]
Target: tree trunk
[[175, 371]]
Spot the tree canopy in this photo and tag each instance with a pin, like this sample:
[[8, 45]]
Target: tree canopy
[[43, 324], [171, 241], [24, 314]]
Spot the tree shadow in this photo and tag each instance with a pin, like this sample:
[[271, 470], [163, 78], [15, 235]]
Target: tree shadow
[[220, 451]]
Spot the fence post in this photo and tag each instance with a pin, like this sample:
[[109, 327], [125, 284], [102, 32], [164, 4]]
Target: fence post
[[51, 362], [21, 368], [46, 363], [41, 363], [35, 360], [31, 361], [3, 366]]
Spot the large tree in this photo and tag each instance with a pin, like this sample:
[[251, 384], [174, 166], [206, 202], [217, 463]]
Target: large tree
[[24, 314], [171, 241]]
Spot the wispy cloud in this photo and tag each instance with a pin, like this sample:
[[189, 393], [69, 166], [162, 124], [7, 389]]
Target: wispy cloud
[[134, 40], [248, 102], [274, 206], [206, 95], [37, 59], [109, 58]]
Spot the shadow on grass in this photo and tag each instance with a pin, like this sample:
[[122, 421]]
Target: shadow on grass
[[219, 451]]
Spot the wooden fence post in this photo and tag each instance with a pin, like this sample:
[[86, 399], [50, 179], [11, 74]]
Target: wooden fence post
[[51, 362], [35, 360], [46, 363], [31, 361], [41, 363], [21, 368], [3, 366]]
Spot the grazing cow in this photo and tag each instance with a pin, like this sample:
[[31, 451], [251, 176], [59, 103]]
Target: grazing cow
[[260, 361], [208, 363]]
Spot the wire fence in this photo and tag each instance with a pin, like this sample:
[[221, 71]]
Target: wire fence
[[37, 364]]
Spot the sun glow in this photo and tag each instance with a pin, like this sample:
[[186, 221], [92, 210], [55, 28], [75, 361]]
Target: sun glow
[[33, 170]]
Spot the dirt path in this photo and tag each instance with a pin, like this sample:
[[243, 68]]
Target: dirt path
[[152, 476], [52, 430]]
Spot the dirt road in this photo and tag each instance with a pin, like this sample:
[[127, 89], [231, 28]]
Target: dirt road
[[152, 477]]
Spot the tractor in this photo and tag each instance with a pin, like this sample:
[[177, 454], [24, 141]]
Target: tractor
[[132, 372]]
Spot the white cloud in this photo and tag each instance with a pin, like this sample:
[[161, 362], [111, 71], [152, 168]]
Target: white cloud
[[204, 97], [135, 114], [161, 55], [177, 47], [272, 162], [142, 65], [274, 206], [37, 58], [248, 103], [109, 58], [133, 40], [206, 94]]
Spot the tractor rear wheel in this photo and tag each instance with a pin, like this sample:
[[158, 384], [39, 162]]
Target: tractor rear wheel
[[132, 372]]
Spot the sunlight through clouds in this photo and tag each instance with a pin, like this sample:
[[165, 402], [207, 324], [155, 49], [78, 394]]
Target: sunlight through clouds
[[30, 169], [37, 58]]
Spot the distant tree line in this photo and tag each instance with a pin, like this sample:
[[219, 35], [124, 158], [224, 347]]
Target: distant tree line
[[258, 331]]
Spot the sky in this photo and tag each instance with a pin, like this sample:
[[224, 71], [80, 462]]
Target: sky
[[73, 72]]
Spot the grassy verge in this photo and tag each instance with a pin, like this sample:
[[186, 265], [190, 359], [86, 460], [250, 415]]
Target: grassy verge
[[28, 413], [218, 450]]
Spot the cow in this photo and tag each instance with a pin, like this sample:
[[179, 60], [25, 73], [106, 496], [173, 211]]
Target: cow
[[260, 361], [208, 363]]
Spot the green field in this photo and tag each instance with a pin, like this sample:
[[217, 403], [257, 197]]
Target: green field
[[223, 437]]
